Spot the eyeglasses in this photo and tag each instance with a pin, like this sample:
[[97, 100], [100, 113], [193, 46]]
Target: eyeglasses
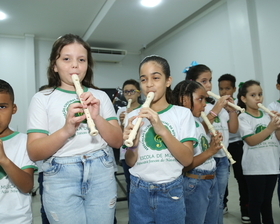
[[131, 92]]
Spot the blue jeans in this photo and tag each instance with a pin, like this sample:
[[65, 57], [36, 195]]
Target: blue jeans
[[222, 174], [156, 203], [201, 199], [80, 189]]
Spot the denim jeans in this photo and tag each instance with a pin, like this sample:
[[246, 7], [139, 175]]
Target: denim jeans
[[80, 189], [156, 203], [201, 199], [222, 174]]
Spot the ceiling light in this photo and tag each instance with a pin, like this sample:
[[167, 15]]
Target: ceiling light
[[2, 15], [150, 3]]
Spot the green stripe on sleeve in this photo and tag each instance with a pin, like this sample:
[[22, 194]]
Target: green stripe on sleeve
[[30, 166], [246, 136], [37, 131], [111, 118], [190, 139]]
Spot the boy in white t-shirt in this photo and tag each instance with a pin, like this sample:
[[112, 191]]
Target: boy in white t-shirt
[[16, 169], [235, 148], [131, 92]]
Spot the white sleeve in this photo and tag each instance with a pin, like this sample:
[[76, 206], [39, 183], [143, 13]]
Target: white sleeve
[[188, 128], [272, 106], [245, 128], [37, 119]]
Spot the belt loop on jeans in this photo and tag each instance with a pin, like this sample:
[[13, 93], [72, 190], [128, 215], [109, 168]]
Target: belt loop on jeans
[[203, 177]]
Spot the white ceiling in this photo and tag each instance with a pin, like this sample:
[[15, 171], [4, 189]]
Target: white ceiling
[[120, 24]]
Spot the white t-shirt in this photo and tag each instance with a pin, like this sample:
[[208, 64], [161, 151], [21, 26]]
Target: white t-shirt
[[203, 144], [155, 162], [120, 110], [47, 114], [275, 105], [15, 206], [220, 124], [263, 158]]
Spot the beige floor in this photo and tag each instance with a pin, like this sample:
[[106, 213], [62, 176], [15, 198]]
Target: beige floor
[[232, 217]]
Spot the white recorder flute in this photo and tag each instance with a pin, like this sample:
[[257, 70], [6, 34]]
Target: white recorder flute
[[266, 109], [127, 107], [242, 110], [212, 129], [133, 133], [79, 91]]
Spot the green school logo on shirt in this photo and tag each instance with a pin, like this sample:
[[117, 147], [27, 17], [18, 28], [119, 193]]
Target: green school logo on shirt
[[66, 106], [204, 143], [153, 141], [259, 129], [2, 173], [217, 119]]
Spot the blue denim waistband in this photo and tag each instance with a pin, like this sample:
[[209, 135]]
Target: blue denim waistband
[[79, 158], [153, 186], [202, 172]]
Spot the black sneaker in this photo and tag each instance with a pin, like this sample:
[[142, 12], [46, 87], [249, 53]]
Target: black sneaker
[[245, 219]]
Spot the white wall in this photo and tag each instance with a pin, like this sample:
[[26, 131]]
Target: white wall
[[236, 36], [12, 70], [112, 75], [42, 51], [205, 41], [268, 18]]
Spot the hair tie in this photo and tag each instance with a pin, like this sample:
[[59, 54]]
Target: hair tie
[[187, 68], [240, 84]]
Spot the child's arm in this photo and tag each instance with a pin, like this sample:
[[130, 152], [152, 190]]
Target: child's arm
[[183, 152], [233, 118], [219, 105], [277, 134], [212, 150], [261, 136], [23, 179]]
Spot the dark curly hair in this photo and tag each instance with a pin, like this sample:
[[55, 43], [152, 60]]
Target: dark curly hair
[[185, 88]]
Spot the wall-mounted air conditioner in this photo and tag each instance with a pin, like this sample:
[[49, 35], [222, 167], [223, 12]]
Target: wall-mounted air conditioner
[[107, 54]]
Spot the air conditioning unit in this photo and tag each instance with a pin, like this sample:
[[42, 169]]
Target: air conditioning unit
[[107, 54]]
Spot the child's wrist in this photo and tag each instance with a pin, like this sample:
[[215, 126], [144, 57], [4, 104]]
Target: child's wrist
[[132, 148], [213, 114], [232, 111]]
